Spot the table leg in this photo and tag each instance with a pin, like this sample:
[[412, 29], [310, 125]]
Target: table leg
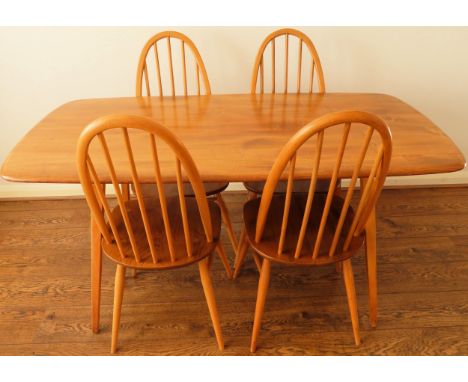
[[96, 269]]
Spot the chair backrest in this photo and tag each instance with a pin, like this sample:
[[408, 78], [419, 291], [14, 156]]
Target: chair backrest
[[377, 163], [116, 131], [146, 72], [311, 70]]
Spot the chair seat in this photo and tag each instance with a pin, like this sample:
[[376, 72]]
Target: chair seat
[[200, 247], [268, 246], [170, 189], [299, 186]]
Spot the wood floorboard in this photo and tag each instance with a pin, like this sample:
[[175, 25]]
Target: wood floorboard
[[423, 289]]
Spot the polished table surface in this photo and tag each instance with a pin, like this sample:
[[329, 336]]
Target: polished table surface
[[231, 137]]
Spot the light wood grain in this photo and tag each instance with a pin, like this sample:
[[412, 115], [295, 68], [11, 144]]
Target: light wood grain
[[245, 133]]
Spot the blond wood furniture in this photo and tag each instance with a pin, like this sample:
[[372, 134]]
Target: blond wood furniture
[[189, 58], [312, 71], [312, 68], [187, 48], [318, 228], [158, 233], [239, 148]]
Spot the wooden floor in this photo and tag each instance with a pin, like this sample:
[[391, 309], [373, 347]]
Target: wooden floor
[[423, 295]]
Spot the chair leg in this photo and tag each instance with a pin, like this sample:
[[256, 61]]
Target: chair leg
[[227, 221], [351, 294], [224, 259], [118, 296], [210, 299], [125, 189], [371, 261], [241, 252], [371, 256], [260, 305], [258, 262], [96, 270]]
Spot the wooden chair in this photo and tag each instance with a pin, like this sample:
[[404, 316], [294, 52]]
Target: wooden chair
[[319, 228], [313, 70], [151, 56], [162, 233]]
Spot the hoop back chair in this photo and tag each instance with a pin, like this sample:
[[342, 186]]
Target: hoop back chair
[[313, 71], [145, 75], [319, 228], [162, 233], [186, 46]]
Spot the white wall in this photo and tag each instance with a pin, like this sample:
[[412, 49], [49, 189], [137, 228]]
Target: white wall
[[42, 68]]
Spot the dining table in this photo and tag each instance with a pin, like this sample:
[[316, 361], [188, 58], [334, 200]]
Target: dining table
[[232, 138]]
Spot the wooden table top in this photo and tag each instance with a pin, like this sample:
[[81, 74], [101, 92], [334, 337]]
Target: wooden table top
[[231, 137]]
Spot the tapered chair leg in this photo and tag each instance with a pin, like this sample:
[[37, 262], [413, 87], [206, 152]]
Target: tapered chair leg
[[371, 261], [224, 259], [260, 305], [241, 252], [258, 262], [210, 299], [118, 296], [96, 270], [351, 294], [125, 189], [227, 221]]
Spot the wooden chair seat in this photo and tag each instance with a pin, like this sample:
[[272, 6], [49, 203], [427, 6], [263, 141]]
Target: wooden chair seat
[[299, 186], [200, 247], [268, 247], [170, 189]]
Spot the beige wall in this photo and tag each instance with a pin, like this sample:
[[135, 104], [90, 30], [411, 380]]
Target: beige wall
[[41, 68]]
